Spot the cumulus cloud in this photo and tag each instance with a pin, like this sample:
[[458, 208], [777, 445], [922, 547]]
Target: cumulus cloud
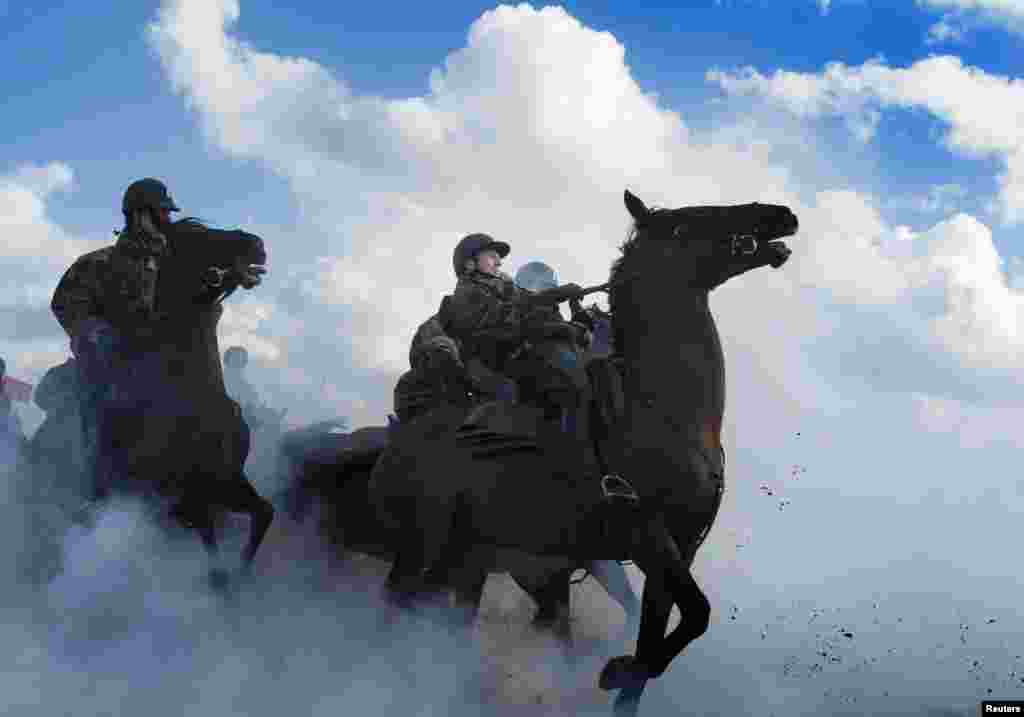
[[530, 131], [35, 252], [944, 31], [29, 233], [940, 199], [961, 97], [526, 132], [241, 323], [1008, 14]]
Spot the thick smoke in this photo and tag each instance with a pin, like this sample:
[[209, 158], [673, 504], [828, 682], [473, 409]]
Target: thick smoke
[[110, 613]]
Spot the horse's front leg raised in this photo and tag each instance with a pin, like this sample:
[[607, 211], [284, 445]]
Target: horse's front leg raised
[[630, 674], [668, 581]]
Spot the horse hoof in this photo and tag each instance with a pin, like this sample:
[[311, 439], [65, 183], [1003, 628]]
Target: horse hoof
[[621, 672]]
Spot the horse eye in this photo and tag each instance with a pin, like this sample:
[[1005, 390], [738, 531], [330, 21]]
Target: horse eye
[[678, 231]]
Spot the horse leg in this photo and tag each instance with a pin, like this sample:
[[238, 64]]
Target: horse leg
[[241, 497], [462, 571], [611, 575], [553, 610], [654, 617], [669, 581], [205, 523], [405, 579]]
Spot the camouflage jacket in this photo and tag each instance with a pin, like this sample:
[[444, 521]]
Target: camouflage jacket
[[431, 336], [485, 316], [115, 284], [490, 318]]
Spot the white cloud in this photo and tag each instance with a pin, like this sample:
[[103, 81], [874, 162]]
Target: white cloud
[[525, 133], [944, 31], [1008, 14], [241, 325], [941, 198], [34, 253], [962, 97], [28, 232], [530, 132]]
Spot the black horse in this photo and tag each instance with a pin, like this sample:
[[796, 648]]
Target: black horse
[[325, 465], [181, 442], [446, 498]]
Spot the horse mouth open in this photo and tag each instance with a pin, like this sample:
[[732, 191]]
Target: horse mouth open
[[775, 250]]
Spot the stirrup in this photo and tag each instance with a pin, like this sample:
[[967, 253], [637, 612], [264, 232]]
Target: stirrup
[[614, 488]]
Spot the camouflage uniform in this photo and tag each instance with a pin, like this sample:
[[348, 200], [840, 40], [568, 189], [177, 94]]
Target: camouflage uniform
[[434, 360], [491, 318], [115, 285], [485, 315], [495, 322]]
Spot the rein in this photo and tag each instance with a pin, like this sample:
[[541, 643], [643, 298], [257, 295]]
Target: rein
[[739, 245]]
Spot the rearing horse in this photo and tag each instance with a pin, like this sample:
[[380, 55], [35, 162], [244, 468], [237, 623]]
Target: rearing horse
[[181, 439], [667, 445]]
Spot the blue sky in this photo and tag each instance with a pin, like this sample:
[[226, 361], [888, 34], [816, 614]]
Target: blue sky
[[106, 85], [361, 140]]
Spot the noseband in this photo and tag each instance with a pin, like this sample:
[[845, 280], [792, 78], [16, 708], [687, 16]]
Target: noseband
[[738, 244]]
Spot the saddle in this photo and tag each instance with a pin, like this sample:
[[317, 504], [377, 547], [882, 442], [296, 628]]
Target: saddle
[[498, 426]]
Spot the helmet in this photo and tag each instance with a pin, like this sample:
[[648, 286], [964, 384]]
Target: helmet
[[536, 276], [236, 356], [147, 193], [472, 245]]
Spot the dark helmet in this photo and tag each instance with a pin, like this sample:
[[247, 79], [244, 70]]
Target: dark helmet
[[472, 245], [147, 193], [536, 276], [236, 356]]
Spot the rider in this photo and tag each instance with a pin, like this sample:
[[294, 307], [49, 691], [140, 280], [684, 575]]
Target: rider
[[536, 277], [434, 363], [107, 303], [493, 320]]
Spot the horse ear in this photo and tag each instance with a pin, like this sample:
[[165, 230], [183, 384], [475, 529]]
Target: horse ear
[[635, 207]]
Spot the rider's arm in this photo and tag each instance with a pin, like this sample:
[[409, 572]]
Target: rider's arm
[[475, 312], [75, 301]]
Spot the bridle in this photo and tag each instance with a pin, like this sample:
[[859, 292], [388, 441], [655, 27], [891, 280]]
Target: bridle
[[739, 245]]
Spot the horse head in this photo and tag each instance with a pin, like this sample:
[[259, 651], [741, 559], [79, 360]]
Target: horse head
[[708, 245], [214, 260]]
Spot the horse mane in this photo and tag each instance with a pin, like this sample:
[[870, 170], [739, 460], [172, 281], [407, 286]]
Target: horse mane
[[186, 226], [621, 269]]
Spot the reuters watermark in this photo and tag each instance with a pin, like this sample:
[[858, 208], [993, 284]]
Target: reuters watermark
[[1001, 707]]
